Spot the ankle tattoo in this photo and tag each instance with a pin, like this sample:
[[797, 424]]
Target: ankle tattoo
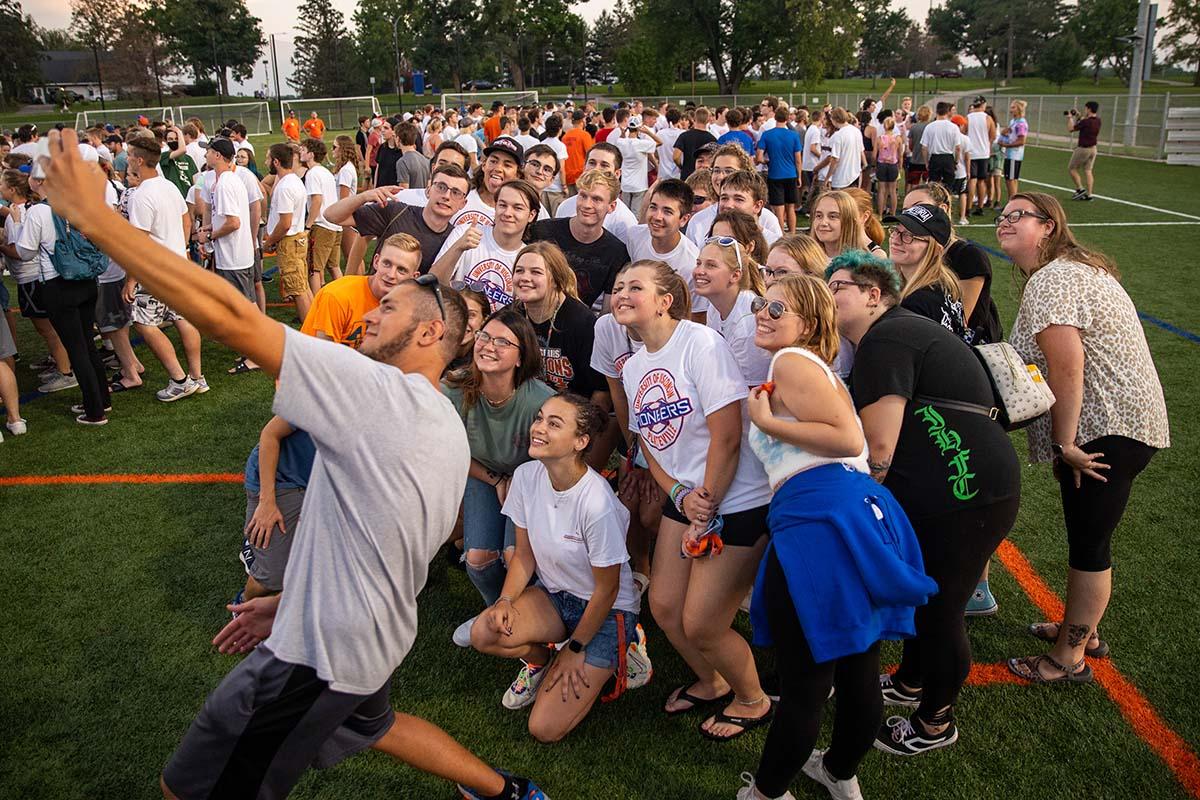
[[1077, 634]]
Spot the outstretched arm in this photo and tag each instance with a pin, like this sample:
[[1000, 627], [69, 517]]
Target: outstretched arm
[[75, 189]]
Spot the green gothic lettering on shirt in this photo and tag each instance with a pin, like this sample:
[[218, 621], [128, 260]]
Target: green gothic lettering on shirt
[[947, 440]]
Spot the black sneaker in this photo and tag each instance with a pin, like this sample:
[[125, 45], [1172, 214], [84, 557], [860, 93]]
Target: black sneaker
[[896, 695], [1078, 194], [901, 737], [1087, 197]]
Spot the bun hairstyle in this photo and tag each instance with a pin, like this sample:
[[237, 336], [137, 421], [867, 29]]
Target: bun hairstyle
[[590, 421], [667, 281]]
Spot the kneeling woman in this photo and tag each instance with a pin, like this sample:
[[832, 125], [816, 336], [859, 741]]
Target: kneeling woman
[[571, 531]]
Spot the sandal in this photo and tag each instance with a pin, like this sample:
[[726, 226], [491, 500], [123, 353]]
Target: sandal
[[1039, 631], [745, 723], [115, 386], [1027, 668], [241, 367], [696, 702]]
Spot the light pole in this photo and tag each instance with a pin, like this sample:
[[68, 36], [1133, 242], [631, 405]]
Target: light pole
[[399, 79], [1135, 73]]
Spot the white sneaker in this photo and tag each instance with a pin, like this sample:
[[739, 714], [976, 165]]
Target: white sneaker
[[523, 691], [17, 428], [201, 384], [58, 382], [82, 419], [641, 583], [748, 792], [462, 634], [964, 221], [638, 669], [838, 790], [176, 390]]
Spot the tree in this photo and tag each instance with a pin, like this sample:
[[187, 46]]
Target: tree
[[883, 31], [58, 39], [1183, 39], [324, 58], [642, 65], [919, 52], [1061, 59], [606, 37], [20, 58], [520, 30], [1103, 28], [983, 29], [209, 37], [825, 43]]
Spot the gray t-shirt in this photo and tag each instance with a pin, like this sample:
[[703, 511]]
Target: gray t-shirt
[[383, 496], [413, 169]]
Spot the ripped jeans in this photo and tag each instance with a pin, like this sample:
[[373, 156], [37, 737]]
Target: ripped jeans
[[486, 529]]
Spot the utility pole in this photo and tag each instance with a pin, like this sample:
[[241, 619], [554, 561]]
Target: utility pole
[[154, 57], [399, 79], [1135, 74], [275, 69], [99, 77]]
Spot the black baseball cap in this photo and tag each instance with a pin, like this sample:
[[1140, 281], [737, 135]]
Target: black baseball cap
[[924, 219], [507, 145], [709, 148], [222, 145]]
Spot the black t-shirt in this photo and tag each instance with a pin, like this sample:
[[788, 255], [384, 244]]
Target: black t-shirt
[[968, 260], [688, 143], [596, 264], [932, 303], [1089, 131], [567, 349], [360, 139], [946, 460], [387, 157], [382, 221]]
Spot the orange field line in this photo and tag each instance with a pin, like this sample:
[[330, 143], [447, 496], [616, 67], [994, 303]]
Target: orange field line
[[52, 480], [981, 674], [1134, 707]]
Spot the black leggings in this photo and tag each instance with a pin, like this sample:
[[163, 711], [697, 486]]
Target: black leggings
[[804, 687], [1094, 509], [71, 306], [955, 547]]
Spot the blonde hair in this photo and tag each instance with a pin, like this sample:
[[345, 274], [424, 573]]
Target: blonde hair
[[345, 151], [404, 241], [666, 281], [804, 250], [735, 151], [809, 297], [751, 273], [851, 227], [560, 272], [933, 271], [873, 226], [745, 230], [1061, 243], [1021, 106], [593, 177], [701, 180], [924, 113]]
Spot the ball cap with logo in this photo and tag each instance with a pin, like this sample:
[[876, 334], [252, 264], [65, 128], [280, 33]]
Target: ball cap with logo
[[222, 145], [924, 219], [508, 146]]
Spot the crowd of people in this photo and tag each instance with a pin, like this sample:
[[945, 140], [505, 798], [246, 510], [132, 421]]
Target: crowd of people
[[597, 357]]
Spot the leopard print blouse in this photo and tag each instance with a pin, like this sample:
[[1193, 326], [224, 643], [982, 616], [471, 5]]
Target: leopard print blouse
[[1122, 395]]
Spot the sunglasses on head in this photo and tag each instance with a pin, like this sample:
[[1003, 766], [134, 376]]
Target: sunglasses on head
[[775, 308], [728, 241], [428, 281]]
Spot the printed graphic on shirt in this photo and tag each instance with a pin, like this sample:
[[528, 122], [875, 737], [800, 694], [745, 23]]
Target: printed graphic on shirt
[[659, 409], [947, 440], [558, 369], [620, 362], [494, 278], [471, 216]]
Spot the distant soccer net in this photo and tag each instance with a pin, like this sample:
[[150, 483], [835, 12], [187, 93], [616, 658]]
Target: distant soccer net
[[461, 100], [338, 113], [256, 116], [123, 116]]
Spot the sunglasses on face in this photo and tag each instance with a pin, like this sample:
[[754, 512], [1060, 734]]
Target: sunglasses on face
[[699, 200], [727, 241], [1013, 217], [431, 282], [775, 308]]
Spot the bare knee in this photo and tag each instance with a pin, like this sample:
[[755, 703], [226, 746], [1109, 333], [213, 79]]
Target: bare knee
[[665, 608], [478, 559], [483, 638], [700, 631], [546, 730]]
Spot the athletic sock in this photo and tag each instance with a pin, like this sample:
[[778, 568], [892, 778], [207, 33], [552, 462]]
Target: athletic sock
[[514, 789]]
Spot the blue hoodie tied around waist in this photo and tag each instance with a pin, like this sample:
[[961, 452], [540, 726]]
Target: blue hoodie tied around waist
[[852, 562]]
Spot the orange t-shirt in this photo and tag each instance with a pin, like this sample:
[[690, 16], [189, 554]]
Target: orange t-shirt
[[291, 129], [338, 309], [315, 128], [491, 128], [578, 141]]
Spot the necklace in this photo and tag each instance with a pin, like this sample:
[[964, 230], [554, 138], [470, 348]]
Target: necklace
[[498, 403]]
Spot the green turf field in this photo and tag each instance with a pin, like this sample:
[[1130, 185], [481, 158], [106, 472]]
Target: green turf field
[[113, 592]]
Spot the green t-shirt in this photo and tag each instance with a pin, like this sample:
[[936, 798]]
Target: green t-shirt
[[178, 171], [499, 437]]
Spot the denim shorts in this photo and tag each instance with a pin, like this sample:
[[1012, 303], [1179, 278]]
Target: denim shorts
[[603, 650]]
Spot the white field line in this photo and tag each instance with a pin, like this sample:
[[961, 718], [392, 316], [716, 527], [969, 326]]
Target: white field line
[[1095, 224], [1117, 200]]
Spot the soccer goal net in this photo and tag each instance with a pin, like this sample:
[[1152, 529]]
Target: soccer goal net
[[461, 100], [123, 116], [256, 116], [338, 113]]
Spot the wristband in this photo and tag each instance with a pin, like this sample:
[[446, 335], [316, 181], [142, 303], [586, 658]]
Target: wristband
[[504, 597]]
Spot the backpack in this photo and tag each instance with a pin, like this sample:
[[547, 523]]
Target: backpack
[[75, 258]]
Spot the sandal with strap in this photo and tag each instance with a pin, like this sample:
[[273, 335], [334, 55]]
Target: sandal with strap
[[745, 723], [1027, 668], [241, 367], [1039, 630], [696, 702]]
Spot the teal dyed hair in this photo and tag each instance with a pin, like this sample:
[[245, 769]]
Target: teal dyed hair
[[872, 269]]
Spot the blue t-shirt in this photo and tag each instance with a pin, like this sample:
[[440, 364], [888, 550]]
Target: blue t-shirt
[[781, 143], [296, 454], [739, 137]]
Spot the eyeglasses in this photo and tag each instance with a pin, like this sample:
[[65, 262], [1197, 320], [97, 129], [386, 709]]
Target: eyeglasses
[[905, 236], [431, 282], [1013, 217], [775, 308], [498, 342], [722, 170], [445, 188], [539, 168], [699, 200], [728, 241], [837, 286], [780, 272]]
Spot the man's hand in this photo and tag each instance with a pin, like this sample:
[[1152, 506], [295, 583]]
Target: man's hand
[[74, 187], [469, 240], [251, 626]]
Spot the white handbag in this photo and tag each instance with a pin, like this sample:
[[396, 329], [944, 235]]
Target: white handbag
[[1019, 392]]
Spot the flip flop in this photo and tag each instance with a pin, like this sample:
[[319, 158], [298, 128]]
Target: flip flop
[[745, 723], [696, 702], [116, 386], [1027, 668], [1038, 631]]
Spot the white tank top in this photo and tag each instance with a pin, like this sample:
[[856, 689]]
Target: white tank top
[[783, 460], [979, 144]]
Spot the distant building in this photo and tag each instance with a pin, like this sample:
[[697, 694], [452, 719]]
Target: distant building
[[73, 71]]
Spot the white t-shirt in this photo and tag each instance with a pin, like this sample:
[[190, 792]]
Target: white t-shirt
[[573, 531], [194, 150], [738, 331], [812, 136], [617, 223], [24, 270], [634, 164], [157, 208], [289, 197], [489, 264], [717, 130], [412, 197], [941, 137], [475, 211], [612, 347], [233, 250], [320, 181], [682, 259], [527, 141], [667, 168], [348, 176], [960, 166], [560, 150], [672, 391], [979, 144], [26, 149], [36, 235], [700, 224], [467, 142], [846, 146], [254, 192], [243, 145]]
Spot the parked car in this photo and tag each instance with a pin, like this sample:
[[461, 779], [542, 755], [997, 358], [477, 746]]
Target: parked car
[[919, 74], [948, 73], [478, 86]]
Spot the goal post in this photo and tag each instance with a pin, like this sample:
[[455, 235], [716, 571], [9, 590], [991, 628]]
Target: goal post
[[460, 100], [123, 116], [255, 115], [338, 113]]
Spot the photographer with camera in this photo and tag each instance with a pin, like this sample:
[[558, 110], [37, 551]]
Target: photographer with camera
[[1084, 157]]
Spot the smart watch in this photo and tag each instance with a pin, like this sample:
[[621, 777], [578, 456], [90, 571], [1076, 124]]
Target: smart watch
[[1056, 449], [575, 646]]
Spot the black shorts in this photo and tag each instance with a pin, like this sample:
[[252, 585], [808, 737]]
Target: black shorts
[[979, 169], [957, 186], [941, 169], [265, 724], [1012, 170], [29, 299], [782, 192], [915, 174], [742, 528], [887, 173]]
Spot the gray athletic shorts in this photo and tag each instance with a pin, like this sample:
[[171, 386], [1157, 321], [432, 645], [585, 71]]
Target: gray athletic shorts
[[265, 724], [269, 564], [242, 280], [112, 312], [149, 310], [8, 347]]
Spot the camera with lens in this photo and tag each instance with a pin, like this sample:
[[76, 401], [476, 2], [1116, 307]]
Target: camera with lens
[[1074, 112]]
